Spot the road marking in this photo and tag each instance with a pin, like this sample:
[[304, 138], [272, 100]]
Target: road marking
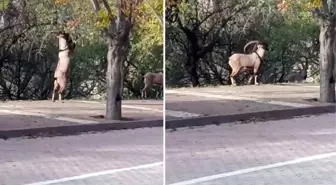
[[142, 108], [255, 169], [181, 114], [86, 101], [230, 97], [17, 112], [88, 175], [173, 113]]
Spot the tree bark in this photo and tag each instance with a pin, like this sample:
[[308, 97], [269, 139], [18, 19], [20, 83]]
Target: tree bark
[[326, 18], [327, 60], [113, 78], [118, 42], [18, 79]]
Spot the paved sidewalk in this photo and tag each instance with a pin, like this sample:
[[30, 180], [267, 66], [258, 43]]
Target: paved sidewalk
[[115, 157], [212, 105], [33, 117], [240, 99], [299, 151]]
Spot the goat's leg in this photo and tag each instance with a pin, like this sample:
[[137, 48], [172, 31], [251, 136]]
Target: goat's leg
[[144, 92], [233, 74], [56, 86], [59, 96], [141, 93], [61, 82], [162, 91], [159, 93], [255, 70], [53, 96], [145, 97], [250, 79]]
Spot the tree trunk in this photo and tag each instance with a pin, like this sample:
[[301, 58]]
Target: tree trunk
[[118, 41], [192, 71], [327, 61], [116, 56], [18, 79], [114, 83]]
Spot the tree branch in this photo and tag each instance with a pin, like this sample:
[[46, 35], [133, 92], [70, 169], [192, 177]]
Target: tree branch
[[211, 14], [107, 7], [95, 5], [158, 18]]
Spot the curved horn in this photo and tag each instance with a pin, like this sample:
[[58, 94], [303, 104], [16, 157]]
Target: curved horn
[[249, 43]]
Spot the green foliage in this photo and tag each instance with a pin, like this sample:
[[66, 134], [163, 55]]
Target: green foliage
[[88, 65], [3, 5], [103, 19], [148, 32], [292, 37]]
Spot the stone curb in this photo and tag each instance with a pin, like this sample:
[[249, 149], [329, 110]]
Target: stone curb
[[249, 117], [77, 129]]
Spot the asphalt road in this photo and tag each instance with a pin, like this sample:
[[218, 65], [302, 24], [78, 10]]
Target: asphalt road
[[116, 157], [299, 151]]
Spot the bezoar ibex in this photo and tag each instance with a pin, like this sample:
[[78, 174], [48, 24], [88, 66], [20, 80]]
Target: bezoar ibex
[[65, 51], [151, 79], [296, 77], [253, 60]]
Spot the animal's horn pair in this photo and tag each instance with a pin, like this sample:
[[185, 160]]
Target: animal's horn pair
[[249, 43]]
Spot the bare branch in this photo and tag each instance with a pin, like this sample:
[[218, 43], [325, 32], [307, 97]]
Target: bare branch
[[159, 19], [10, 27], [95, 5], [130, 16], [44, 38], [118, 5], [220, 10], [107, 7]]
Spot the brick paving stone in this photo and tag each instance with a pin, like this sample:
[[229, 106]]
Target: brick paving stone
[[204, 151], [32, 160]]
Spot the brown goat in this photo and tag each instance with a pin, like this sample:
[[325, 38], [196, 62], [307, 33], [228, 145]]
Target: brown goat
[[296, 77], [151, 79], [66, 49]]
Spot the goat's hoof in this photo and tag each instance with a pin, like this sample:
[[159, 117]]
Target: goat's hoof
[[233, 85]]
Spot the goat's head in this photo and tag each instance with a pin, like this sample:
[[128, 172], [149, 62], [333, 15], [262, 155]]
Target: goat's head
[[60, 34], [64, 35], [262, 45], [67, 38], [257, 45]]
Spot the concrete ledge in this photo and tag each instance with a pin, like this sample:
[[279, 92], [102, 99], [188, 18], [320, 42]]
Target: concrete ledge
[[252, 116], [80, 128]]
